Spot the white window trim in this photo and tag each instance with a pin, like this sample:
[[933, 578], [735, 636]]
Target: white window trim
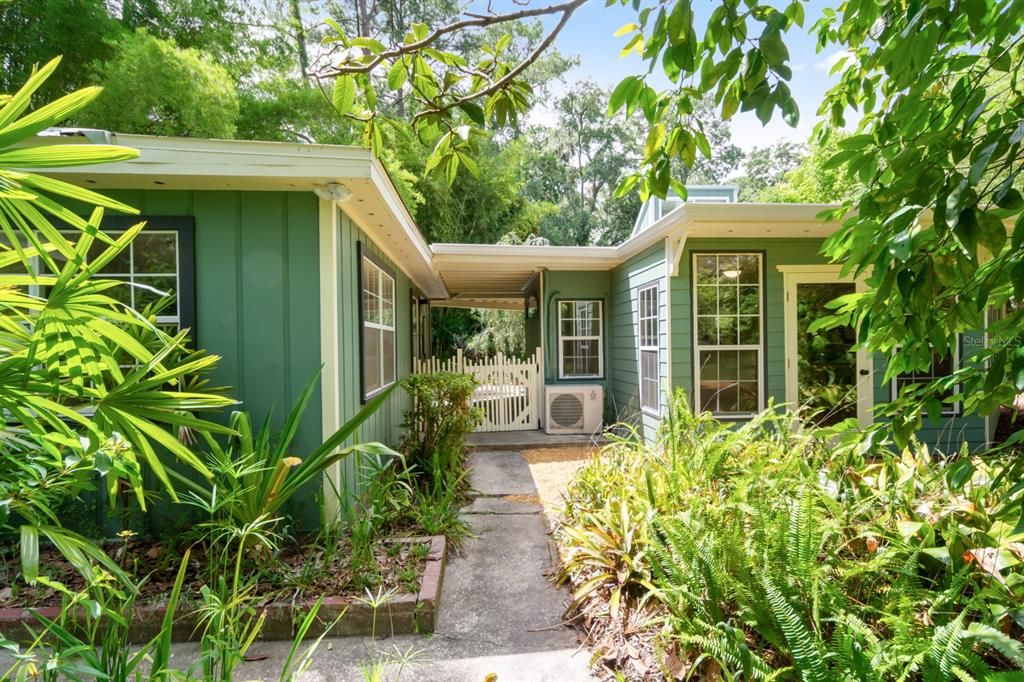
[[381, 275], [697, 347], [948, 409], [128, 278], [792, 276], [656, 348], [599, 337]]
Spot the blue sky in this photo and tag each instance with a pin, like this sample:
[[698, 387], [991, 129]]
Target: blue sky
[[589, 36]]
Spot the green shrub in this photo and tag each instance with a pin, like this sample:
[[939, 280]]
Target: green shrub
[[441, 417], [256, 473], [766, 550]]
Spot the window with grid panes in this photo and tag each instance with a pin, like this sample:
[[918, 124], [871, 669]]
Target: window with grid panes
[[728, 324], [647, 335], [580, 339], [378, 312]]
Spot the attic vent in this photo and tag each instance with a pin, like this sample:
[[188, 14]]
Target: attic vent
[[567, 410]]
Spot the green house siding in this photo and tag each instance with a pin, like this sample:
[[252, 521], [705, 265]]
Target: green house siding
[[951, 431], [257, 277], [946, 435], [641, 271], [775, 252], [257, 298], [568, 285], [385, 424], [257, 292]]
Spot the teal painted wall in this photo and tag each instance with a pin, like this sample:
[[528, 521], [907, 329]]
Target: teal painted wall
[[257, 300], [638, 272], [951, 431], [258, 307], [776, 252], [945, 435], [257, 292], [385, 425], [567, 284]]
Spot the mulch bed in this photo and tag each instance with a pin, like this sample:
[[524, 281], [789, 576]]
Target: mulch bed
[[297, 572]]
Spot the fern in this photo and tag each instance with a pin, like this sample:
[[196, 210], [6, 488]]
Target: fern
[[946, 650], [728, 647], [1010, 649], [804, 645]]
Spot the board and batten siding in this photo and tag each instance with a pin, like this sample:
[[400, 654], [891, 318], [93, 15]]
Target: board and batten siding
[[638, 272], [258, 291], [385, 425], [775, 252]]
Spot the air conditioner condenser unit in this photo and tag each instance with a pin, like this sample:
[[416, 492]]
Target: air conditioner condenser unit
[[573, 408]]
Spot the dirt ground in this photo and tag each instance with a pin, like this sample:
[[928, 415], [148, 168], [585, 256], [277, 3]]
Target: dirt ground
[[552, 469]]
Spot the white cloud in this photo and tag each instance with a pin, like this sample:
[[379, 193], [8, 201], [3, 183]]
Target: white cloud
[[831, 60]]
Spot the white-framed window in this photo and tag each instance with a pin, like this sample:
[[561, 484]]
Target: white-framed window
[[729, 344], [150, 268], [939, 368], [580, 339], [378, 313], [158, 264], [648, 342]]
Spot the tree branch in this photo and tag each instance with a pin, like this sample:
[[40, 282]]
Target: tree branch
[[475, 21], [513, 73]]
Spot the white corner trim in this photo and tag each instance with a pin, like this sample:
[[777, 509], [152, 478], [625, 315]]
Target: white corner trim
[[330, 389]]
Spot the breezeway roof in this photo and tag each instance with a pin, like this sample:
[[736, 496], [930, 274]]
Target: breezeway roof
[[483, 275]]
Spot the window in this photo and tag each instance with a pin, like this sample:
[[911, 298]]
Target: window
[[149, 267], [647, 333], [378, 313], [939, 368], [580, 339], [159, 263], [727, 307]]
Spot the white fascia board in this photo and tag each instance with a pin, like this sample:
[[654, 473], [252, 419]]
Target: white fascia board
[[193, 163], [393, 200], [680, 222], [505, 256]]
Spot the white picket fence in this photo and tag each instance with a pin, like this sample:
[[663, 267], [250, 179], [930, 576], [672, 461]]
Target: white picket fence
[[509, 391]]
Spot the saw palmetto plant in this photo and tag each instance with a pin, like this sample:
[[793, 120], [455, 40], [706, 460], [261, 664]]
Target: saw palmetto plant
[[88, 385]]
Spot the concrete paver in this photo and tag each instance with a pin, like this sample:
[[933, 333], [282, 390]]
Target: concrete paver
[[499, 613]]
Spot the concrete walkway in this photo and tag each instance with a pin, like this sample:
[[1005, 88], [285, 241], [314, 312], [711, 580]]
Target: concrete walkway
[[499, 613]]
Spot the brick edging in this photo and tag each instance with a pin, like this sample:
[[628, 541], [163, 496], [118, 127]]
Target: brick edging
[[404, 614]]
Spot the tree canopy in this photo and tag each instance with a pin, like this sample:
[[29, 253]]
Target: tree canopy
[[153, 86]]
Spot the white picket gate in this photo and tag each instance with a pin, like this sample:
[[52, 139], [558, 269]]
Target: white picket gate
[[509, 391]]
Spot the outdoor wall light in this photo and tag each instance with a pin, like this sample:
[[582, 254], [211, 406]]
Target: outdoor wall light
[[333, 191]]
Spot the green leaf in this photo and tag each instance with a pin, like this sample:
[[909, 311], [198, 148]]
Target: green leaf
[[474, 111], [61, 155], [624, 93], [344, 94], [980, 162], [772, 47], [374, 46], [397, 75], [30, 553]]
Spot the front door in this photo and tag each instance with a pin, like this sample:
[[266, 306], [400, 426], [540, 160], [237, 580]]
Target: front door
[[825, 375]]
